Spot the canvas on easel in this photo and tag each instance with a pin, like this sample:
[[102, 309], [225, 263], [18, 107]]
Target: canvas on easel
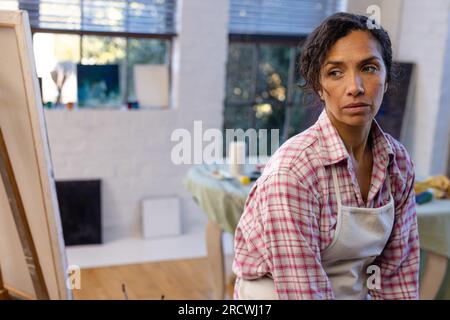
[[33, 262]]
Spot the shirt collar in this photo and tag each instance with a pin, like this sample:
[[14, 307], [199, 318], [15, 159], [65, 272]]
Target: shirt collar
[[332, 148]]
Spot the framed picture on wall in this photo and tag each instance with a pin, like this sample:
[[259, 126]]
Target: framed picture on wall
[[98, 86]]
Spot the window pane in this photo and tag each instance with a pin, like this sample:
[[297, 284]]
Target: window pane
[[240, 72], [267, 108], [102, 86], [56, 56], [144, 51], [255, 88], [238, 116], [103, 50], [9, 5], [273, 71]]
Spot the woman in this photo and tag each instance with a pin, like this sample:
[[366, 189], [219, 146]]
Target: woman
[[333, 214]]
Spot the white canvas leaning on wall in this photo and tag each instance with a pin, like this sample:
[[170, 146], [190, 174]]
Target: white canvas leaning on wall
[[23, 128], [161, 217], [151, 83]]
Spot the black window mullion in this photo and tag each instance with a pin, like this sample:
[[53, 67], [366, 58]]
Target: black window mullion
[[82, 22], [167, 20], [290, 93], [255, 67], [127, 17], [81, 48], [168, 58], [127, 47]]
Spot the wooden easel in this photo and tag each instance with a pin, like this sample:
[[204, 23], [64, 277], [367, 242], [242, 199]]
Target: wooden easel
[[3, 292], [23, 228]]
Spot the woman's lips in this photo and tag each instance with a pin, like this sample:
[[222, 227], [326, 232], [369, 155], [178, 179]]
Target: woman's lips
[[356, 105], [361, 108]]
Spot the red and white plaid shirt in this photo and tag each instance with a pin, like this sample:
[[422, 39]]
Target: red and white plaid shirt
[[290, 214]]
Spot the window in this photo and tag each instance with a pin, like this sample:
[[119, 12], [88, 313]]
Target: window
[[56, 57], [104, 57], [262, 70], [145, 51], [261, 90], [120, 33]]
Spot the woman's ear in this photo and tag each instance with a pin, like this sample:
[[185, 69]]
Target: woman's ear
[[320, 94], [386, 86]]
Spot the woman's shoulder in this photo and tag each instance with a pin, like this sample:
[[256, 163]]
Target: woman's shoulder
[[401, 156], [401, 168], [298, 156]]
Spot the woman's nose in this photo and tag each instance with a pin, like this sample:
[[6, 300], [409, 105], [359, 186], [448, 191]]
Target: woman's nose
[[355, 86]]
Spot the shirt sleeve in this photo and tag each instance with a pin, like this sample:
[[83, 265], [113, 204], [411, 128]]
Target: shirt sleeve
[[399, 261], [291, 234]]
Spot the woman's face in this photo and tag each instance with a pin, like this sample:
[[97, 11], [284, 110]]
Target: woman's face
[[353, 79]]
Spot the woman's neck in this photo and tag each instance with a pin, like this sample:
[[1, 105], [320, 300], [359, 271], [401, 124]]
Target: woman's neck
[[356, 139]]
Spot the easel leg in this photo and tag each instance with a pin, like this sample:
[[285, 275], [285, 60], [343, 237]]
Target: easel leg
[[231, 278], [21, 221], [216, 259], [3, 292]]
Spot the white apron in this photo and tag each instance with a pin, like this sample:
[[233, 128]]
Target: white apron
[[360, 236]]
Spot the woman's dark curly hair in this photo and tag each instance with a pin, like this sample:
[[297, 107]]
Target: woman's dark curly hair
[[320, 41]]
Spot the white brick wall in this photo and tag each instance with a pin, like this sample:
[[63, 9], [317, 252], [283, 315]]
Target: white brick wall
[[130, 150], [440, 155], [424, 37]]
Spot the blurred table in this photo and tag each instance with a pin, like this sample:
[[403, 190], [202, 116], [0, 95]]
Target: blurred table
[[434, 232], [223, 202]]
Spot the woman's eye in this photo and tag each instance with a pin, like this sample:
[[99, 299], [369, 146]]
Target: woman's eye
[[334, 73], [370, 69]]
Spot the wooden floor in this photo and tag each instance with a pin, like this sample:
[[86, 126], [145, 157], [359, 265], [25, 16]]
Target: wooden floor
[[169, 280]]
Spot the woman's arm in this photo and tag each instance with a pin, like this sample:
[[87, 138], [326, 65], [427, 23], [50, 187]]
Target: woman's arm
[[290, 214], [399, 262]]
